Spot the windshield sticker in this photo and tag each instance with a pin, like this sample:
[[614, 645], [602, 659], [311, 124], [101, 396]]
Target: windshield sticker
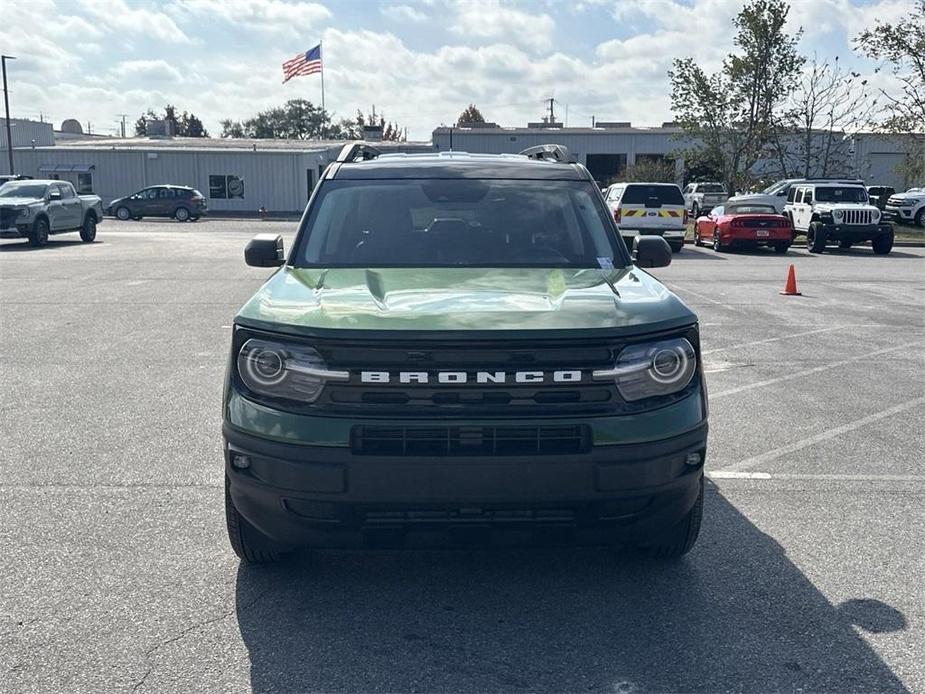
[[605, 263]]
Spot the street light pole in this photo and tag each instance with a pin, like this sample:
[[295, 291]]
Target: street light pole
[[6, 103]]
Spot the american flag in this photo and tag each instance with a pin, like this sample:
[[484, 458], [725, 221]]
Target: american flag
[[307, 63]]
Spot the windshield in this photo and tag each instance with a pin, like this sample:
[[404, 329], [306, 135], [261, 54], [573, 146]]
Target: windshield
[[652, 195], [776, 188], [459, 223], [846, 194], [14, 189], [750, 209]]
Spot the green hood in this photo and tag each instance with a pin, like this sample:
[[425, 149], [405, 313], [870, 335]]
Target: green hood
[[464, 299]]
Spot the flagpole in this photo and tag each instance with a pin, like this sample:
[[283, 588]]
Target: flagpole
[[321, 55]]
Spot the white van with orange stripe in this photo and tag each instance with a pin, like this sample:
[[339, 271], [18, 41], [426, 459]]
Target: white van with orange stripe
[[649, 208]]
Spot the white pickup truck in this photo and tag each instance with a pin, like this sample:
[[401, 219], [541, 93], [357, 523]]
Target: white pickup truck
[[35, 209]]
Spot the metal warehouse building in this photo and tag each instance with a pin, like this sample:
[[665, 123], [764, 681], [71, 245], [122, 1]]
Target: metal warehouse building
[[609, 148], [235, 175]]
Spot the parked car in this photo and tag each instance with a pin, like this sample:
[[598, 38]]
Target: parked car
[[908, 207], [35, 209], [455, 345], [700, 198], [743, 224], [838, 213], [180, 202], [649, 209], [878, 195], [777, 193]]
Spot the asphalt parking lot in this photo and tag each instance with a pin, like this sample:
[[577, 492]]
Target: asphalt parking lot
[[116, 573]]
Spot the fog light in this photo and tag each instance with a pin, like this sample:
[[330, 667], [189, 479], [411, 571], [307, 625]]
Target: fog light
[[693, 459], [241, 462]]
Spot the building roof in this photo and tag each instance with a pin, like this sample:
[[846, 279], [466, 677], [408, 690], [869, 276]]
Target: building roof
[[556, 131], [150, 144]]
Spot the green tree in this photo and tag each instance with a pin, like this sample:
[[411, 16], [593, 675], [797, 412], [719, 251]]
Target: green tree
[[652, 169], [731, 116], [470, 116], [901, 47], [186, 125], [299, 119]]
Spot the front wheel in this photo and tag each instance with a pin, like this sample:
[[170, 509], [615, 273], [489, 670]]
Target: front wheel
[[123, 214], [39, 234], [680, 539], [920, 218], [182, 214], [882, 244], [88, 230], [697, 241], [248, 543], [815, 238]]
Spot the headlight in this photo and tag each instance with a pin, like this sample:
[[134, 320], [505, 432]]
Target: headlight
[[652, 369], [282, 370], [875, 214], [838, 214], [23, 213]]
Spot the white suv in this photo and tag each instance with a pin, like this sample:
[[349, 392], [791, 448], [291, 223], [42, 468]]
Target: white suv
[[840, 213], [649, 209], [908, 207]]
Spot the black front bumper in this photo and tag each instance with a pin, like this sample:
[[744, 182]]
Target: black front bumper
[[856, 233], [328, 497]]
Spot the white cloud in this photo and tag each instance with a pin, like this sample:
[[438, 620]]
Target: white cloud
[[150, 71], [118, 17], [490, 19], [276, 17], [404, 13]]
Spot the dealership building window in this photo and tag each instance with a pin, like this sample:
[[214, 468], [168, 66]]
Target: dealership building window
[[84, 183], [225, 187]]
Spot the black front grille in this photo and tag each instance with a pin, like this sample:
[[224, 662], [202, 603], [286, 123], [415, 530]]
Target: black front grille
[[440, 441], [8, 217]]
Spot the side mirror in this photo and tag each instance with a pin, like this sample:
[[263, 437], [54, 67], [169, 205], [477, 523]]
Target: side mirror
[[265, 250], [782, 194], [54, 195], [651, 251]]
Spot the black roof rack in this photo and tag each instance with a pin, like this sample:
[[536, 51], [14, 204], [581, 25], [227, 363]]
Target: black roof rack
[[358, 151], [558, 153]]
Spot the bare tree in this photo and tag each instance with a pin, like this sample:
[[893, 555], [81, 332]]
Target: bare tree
[[813, 137]]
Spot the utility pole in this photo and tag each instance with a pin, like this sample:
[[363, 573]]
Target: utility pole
[[6, 103], [89, 131], [592, 121], [552, 112], [124, 116]]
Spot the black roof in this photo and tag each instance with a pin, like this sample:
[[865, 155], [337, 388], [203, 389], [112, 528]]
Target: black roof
[[458, 165]]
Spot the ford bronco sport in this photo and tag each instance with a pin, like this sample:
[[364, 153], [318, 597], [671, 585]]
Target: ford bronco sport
[[459, 348]]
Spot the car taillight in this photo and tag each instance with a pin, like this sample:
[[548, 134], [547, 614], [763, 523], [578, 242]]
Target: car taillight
[[738, 223], [617, 215]]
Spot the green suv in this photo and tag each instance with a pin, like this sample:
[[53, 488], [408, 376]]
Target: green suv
[[460, 349]]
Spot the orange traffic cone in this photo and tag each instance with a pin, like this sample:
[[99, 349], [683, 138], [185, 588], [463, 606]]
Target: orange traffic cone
[[790, 289]]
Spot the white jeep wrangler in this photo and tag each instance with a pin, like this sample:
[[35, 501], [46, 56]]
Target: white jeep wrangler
[[841, 213]]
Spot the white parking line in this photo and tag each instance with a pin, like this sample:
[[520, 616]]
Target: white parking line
[[818, 438], [775, 339], [807, 372], [736, 475]]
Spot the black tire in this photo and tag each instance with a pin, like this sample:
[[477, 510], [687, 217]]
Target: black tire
[[697, 241], [39, 234], [247, 542], [88, 230], [781, 248], [920, 218], [717, 246], [845, 245], [124, 214], [882, 244], [181, 214], [815, 238], [676, 247], [683, 536], [695, 210]]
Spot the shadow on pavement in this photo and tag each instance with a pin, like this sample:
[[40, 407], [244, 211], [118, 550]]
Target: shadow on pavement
[[735, 615], [53, 244]]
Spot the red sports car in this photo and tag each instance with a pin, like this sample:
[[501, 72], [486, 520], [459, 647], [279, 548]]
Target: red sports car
[[743, 224]]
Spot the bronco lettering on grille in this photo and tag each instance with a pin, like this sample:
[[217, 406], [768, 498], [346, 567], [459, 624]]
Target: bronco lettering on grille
[[463, 377]]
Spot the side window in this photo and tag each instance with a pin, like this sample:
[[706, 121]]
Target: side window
[[689, 190], [226, 186], [792, 194], [148, 194], [808, 196], [66, 191], [84, 184]]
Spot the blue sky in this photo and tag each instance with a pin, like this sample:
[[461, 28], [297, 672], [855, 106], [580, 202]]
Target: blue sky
[[419, 61]]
